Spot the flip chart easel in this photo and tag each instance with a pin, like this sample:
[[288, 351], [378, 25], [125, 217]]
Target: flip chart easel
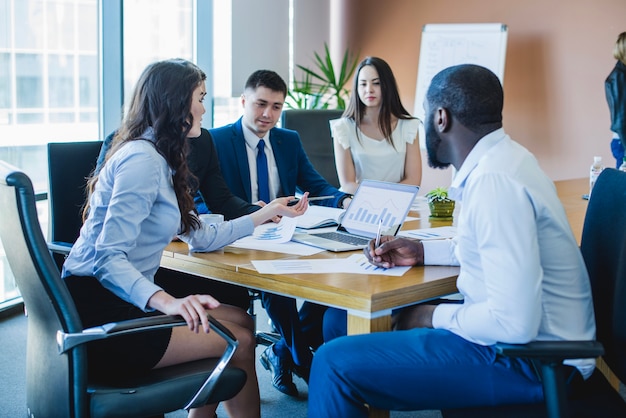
[[444, 45]]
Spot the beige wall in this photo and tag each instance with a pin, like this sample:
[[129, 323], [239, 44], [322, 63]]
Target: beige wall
[[559, 53]]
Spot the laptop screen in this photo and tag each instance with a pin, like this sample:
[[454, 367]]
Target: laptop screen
[[374, 200]]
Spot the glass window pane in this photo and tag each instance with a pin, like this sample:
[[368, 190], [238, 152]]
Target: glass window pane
[[61, 80], [155, 30], [89, 116], [29, 118], [29, 80], [29, 33], [88, 80], [60, 15], [5, 81], [5, 24], [6, 117], [87, 22]]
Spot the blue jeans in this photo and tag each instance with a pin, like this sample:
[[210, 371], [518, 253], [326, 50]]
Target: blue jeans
[[418, 369]]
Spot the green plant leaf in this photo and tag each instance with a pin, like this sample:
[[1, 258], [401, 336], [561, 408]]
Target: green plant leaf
[[321, 86]]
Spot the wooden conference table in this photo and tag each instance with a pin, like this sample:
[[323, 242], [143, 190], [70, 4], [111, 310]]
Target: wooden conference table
[[369, 299]]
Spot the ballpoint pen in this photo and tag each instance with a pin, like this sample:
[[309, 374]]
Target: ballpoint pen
[[380, 225], [311, 199]]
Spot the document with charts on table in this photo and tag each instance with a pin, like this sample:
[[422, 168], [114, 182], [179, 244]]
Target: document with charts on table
[[424, 234], [271, 232], [356, 264]]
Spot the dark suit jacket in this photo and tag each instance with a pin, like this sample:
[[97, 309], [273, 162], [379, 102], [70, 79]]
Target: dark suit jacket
[[203, 163], [294, 168]]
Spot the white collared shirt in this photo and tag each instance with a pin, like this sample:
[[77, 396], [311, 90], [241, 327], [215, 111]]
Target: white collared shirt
[[251, 150], [522, 274]]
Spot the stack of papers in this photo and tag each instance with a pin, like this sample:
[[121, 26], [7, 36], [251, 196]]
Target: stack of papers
[[276, 238]]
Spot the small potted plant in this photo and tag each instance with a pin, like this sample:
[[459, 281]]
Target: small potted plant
[[440, 205]]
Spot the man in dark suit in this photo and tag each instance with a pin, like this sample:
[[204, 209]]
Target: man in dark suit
[[259, 163]]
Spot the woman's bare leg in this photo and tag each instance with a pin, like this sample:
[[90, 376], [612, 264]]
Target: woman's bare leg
[[186, 345]]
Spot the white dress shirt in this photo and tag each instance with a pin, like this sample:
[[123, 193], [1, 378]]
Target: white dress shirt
[[251, 149], [522, 274]]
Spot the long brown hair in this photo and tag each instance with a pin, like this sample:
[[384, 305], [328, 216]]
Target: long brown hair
[[162, 101], [390, 104]]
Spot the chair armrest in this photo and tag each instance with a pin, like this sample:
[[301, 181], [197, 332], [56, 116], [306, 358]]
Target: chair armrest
[[60, 247], [67, 341], [552, 351]]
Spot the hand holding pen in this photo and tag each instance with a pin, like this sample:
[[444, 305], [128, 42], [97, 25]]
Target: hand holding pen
[[388, 251], [380, 228]]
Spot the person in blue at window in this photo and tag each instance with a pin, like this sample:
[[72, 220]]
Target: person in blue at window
[[138, 202], [513, 252], [615, 89]]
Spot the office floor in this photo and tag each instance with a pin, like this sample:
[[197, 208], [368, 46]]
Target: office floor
[[13, 393]]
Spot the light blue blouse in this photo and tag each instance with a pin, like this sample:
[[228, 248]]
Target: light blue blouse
[[133, 216]]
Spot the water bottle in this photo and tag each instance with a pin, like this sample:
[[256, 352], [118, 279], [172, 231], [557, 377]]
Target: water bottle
[[623, 166], [594, 172]]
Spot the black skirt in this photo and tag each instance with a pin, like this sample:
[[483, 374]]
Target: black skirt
[[127, 354]]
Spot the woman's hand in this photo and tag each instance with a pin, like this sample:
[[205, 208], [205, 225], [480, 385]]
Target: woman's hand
[[192, 308], [279, 207]]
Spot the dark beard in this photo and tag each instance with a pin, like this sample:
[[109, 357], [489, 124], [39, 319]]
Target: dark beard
[[433, 143]]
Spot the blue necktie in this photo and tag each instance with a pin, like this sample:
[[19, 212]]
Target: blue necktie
[[262, 173]]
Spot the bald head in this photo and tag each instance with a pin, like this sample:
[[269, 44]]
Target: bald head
[[471, 93]]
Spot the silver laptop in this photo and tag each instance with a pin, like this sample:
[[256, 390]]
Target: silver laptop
[[373, 200]]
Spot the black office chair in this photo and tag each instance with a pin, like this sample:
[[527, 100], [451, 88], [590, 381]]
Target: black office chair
[[314, 130], [603, 246], [57, 380], [69, 165]]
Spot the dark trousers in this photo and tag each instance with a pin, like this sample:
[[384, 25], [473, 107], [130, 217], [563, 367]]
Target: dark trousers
[[301, 330]]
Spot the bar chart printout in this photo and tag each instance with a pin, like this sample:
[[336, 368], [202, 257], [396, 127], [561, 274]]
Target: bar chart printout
[[374, 201]]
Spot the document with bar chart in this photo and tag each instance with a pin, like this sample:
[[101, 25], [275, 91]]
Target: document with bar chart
[[376, 201]]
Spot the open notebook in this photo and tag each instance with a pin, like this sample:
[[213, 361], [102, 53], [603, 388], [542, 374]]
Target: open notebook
[[373, 200]]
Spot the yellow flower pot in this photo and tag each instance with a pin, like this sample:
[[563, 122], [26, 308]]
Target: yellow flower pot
[[441, 209]]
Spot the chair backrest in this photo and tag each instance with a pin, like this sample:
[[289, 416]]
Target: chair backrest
[[603, 246], [314, 130], [52, 380], [69, 165]]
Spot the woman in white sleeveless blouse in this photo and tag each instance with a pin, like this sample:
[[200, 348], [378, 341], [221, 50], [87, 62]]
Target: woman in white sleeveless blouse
[[376, 138]]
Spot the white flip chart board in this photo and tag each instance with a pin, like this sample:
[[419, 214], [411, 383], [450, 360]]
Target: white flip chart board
[[444, 45]]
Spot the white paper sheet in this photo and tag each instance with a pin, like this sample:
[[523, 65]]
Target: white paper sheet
[[271, 233], [356, 264], [286, 247], [424, 234]]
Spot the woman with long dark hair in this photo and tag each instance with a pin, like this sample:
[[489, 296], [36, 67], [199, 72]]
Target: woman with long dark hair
[[138, 202], [376, 138]]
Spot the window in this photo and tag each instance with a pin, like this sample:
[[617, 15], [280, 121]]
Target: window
[[48, 88]]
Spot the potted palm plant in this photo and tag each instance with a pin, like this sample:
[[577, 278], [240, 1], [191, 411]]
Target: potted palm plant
[[440, 205], [320, 87]]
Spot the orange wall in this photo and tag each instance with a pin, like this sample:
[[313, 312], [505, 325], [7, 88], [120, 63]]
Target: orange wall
[[559, 53]]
